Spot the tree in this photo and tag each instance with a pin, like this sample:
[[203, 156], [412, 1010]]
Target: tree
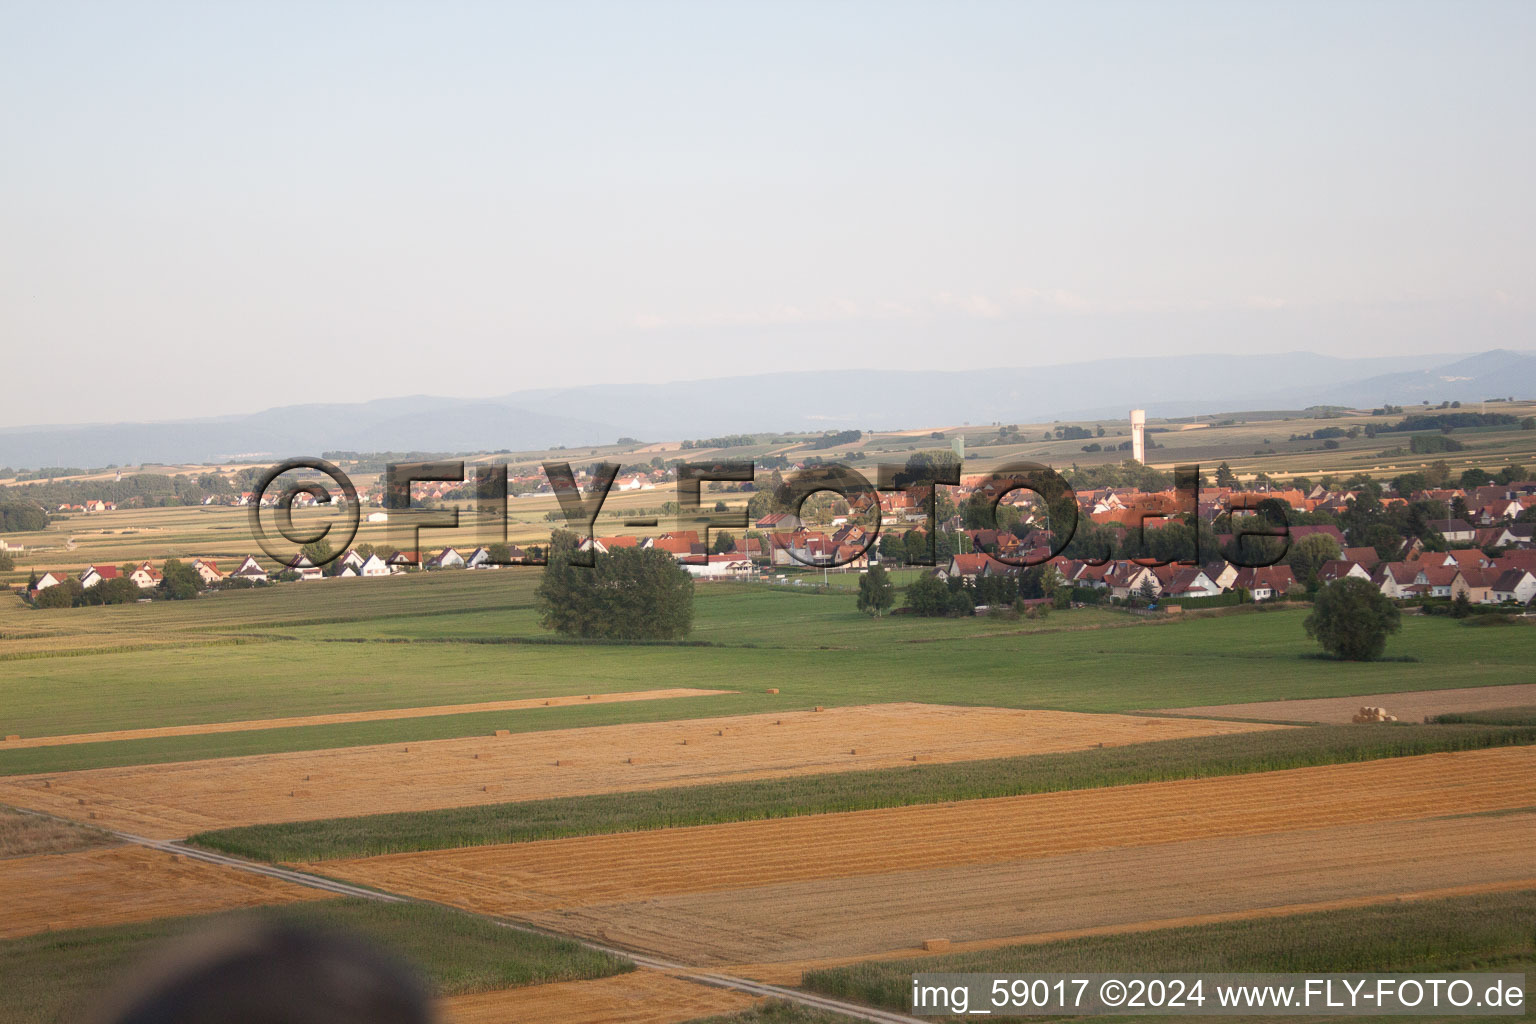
[[1351, 619], [1146, 594], [1306, 556], [1461, 607], [627, 594], [1225, 477], [1474, 477], [179, 581], [60, 595], [723, 543], [928, 596], [876, 595]]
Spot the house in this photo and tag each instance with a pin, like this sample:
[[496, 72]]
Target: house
[[1455, 531], [603, 545], [306, 568], [49, 579], [94, 574], [480, 558], [208, 570], [1341, 569], [373, 566], [1127, 578], [717, 566], [677, 547], [145, 576], [1267, 582], [1515, 585], [400, 561], [1365, 556], [250, 569], [1223, 573], [966, 567], [779, 522], [351, 560], [1393, 577], [1185, 581], [1327, 530], [447, 558], [1442, 580]]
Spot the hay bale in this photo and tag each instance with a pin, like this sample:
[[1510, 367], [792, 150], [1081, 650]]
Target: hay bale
[[771, 689], [935, 945], [13, 736], [820, 708], [503, 733], [857, 750]]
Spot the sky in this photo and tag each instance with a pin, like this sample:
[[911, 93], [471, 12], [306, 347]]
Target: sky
[[218, 208]]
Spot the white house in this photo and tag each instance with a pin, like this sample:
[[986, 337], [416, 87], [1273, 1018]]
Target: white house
[[374, 566], [250, 569], [479, 558], [718, 566], [1514, 585], [447, 558], [94, 574], [145, 576], [208, 570], [378, 517], [50, 579]]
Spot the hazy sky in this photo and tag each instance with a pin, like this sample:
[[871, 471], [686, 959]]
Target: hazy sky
[[216, 207]]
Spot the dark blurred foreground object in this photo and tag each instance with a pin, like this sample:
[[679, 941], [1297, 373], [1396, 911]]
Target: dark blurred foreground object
[[269, 974]]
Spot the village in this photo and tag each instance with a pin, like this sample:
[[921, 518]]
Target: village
[[1483, 555]]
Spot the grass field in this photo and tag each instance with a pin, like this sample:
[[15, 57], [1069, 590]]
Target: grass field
[[303, 651], [1492, 932], [49, 977], [1201, 757]]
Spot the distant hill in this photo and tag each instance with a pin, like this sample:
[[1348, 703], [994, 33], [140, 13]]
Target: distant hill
[[797, 401]]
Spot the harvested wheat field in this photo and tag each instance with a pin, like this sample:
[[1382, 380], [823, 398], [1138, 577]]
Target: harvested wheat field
[[1408, 707], [123, 884], [382, 714], [854, 917], [639, 997], [554, 877], [174, 800]]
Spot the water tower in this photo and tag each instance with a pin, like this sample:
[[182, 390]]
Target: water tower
[[1138, 431]]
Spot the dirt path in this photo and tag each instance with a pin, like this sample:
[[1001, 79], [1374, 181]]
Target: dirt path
[[124, 884], [384, 714], [1408, 707], [173, 800], [531, 879], [640, 997]]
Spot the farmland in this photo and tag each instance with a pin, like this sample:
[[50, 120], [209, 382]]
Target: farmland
[[172, 801], [424, 736]]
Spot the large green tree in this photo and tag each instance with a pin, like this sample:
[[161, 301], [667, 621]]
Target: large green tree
[[1352, 620], [876, 595], [627, 594]]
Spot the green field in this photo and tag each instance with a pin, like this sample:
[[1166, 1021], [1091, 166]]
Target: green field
[[50, 977], [447, 638], [1197, 757]]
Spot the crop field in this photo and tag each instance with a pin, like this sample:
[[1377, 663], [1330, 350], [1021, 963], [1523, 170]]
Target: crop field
[[1408, 707], [639, 997], [774, 932], [597, 885], [55, 892], [175, 800]]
